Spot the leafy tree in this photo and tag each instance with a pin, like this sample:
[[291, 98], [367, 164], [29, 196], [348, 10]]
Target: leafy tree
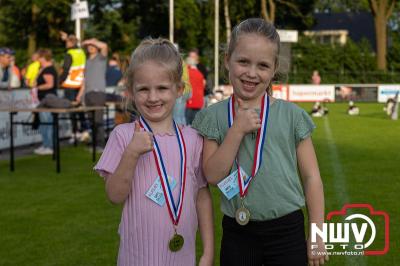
[[381, 10], [33, 23], [351, 63]]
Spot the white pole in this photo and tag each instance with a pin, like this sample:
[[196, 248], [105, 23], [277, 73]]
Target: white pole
[[171, 21], [216, 45], [78, 26]]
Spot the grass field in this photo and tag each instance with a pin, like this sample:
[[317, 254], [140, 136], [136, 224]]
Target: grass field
[[65, 219]]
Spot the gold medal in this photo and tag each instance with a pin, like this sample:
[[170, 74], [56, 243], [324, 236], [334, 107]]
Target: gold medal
[[176, 242], [242, 216]]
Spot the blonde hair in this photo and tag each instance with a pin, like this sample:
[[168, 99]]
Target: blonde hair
[[157, 50]]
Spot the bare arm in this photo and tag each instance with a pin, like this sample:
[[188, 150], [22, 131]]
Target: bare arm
[[206, 225], [218, 160], [49, 82], [99, 44], [314, 192], [118, 185], [80, 93]]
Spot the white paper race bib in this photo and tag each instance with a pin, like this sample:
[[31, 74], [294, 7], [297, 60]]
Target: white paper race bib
[[229, 185], [155, 192]]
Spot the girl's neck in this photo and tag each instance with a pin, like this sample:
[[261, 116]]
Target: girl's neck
[[253, 103], [162, 127]]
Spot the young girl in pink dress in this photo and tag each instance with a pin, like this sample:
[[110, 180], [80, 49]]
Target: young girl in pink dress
[[154, 168]]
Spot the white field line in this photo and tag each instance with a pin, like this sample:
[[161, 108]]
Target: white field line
[[339, 182]]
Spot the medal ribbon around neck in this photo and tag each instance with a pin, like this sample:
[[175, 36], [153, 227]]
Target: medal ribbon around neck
[[174, 210], [261, 134]]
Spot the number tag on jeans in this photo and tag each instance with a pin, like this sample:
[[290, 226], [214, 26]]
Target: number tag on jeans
[[229, 185], [155, 193]]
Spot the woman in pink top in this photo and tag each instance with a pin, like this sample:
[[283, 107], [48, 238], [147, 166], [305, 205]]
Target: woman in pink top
[[154, 168]]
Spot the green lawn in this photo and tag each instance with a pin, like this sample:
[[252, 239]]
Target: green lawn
[[65, 219]]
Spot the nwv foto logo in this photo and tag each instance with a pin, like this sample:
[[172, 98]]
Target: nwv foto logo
[[337, 235]]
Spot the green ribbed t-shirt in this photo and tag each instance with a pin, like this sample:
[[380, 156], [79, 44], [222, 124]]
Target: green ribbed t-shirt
[[276, 189]]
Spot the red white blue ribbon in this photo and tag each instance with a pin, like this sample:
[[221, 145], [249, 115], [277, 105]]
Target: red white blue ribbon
[[174, 209], [261, 135]]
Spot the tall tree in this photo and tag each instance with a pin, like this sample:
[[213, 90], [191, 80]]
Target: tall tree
[[227, 21], [292, 14], [27, 25], [268, 11], [382, 10]]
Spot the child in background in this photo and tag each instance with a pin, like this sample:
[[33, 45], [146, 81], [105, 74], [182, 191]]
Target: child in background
[[153, 167], [353, 109], [32, 71], [269, 141]]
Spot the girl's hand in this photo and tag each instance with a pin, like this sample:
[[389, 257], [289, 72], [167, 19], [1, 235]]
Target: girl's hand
[[316, 256], [246, 120], [206, 260], [141, 142]]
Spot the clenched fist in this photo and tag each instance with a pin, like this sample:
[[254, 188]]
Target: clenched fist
[[246, 120]]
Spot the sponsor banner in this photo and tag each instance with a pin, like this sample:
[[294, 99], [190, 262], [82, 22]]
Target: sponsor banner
[[280, 91], [311, 93], [387, 91], [356, 92]]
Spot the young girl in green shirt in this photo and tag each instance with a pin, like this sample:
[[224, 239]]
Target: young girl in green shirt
[[269, 141]]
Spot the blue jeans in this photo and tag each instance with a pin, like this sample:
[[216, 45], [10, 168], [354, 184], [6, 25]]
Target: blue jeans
[[46, 130]]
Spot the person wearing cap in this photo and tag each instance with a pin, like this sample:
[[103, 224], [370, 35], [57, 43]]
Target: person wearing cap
[[8, 78], [94, 89]]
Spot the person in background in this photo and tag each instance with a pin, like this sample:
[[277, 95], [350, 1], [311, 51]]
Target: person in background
[[46, 83], [113, 73], [196, 101], [15, 68], [8, 77], [72, 75], [353, 109], [32, 70], [315, 78], [180, 103], [319, 110], [94, 88], [216, 97], [194, 55], [71, 78]]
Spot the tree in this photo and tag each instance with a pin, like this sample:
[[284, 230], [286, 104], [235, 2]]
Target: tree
[[27, 25], [227, 21], [382, 10], [268, 11], [292, 14]]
